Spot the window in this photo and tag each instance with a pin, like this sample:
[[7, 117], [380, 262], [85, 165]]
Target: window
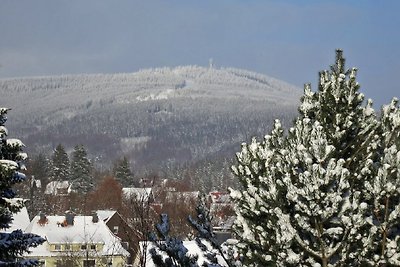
[[65, 263], [89, 263], [57, 247], [93, 247], [125, 245], [83, 247], [67, 247], [115, 229]]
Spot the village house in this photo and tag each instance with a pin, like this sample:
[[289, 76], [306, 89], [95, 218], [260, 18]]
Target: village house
[[83, 241], [138, 194], [222, 212], [58, 188]]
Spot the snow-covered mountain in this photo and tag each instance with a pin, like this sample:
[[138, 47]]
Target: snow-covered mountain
[[154, 116]]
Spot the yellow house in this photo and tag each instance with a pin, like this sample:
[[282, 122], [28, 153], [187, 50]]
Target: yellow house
[[76, 241]]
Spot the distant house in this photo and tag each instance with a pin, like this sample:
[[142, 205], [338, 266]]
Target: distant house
[[144, 195], [221, 207], [57, 188], [222, 211], [191, 197], [76, 241]]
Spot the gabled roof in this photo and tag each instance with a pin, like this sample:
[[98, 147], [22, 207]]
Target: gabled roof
[[105, 215], [84, 230], [141, 194]]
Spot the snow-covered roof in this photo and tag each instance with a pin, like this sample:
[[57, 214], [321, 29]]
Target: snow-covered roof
[[20, 221], [84, 230], [105, 215], [53, 187], [141, 194], [184, 197], [192, 247]]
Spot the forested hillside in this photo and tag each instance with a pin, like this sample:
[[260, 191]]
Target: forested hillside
[[161, 119]]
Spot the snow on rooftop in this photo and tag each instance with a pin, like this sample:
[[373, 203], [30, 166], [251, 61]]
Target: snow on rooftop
[[141, 194], [54, 187], [105, 215], [81, 232], [185, 197]]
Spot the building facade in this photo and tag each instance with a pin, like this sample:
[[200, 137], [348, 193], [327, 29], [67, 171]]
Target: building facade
[[76, 241]]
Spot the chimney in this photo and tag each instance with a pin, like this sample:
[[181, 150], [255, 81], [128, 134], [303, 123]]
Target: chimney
[[69, 218], [42, 219], [95, 218]]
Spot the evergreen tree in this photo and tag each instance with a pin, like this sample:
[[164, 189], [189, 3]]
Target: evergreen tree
[[12, 245], [39, 166], [312, 196], [34, 190], [206, 238], [123, 173], [81, 171], [60, 165], [381, 238], [173, 247]]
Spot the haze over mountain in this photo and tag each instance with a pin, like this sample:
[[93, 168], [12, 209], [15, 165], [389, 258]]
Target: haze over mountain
[[159, 118]]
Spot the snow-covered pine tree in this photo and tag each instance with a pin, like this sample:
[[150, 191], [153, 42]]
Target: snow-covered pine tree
[[206, 238], [172, 247], [59, 167], [81, 171], [381, 238], [123, 173], [12, 245], [305, 199]]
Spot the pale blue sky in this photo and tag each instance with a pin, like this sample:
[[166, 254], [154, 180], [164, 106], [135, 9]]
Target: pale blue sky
[[289, 40]]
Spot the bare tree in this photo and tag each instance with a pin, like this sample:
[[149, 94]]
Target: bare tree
[[140, 213]]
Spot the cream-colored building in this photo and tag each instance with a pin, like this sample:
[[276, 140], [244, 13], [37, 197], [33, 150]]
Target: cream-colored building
[[81, 241]]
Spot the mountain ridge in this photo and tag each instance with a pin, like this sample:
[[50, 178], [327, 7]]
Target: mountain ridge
[[156, 117]]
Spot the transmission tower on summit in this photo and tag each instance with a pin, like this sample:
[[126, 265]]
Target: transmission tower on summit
[[211, 63]]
